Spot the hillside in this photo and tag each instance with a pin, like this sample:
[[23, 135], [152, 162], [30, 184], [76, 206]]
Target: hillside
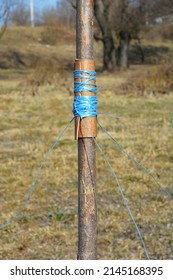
[[36, 91]]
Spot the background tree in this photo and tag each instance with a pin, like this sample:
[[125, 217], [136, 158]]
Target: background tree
[[20, 14], [102, 14], [63, 15], [104, 32], [66, 13], [126, 24], [5, 6], [126, 20], [151, 9], [123, 20], [115, 19], [50, 17]]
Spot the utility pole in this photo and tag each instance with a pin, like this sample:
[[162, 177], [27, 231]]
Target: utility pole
[[85, 129], [32, 13]]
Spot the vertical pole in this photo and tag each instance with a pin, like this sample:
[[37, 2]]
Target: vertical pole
[[32, 13], [87, 210]]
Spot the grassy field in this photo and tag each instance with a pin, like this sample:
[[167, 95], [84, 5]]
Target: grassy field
[[36, 101]]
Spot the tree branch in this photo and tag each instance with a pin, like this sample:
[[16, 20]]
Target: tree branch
[[5, 10], [72, 4]]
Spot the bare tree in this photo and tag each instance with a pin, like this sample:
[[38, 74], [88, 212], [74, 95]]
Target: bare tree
[[66, 13], [4, 15], [50, 17], [20, 14], [102, 14], [123, 20], [151, 9], [126, 23], [115, 19]]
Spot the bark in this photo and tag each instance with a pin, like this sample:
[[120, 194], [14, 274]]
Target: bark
[[109, 54], [123, 50]]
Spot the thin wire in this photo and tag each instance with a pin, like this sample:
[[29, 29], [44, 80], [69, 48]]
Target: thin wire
[[36, 178], [135, 161], [122, 193]]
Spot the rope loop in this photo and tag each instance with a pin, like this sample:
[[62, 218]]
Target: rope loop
[[85, 106], [86, 85]]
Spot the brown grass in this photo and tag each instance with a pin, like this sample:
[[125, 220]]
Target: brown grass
[[47, 228], [148, 80]]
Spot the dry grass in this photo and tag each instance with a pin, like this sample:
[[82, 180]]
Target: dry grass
[[47, 229], [148, 81]]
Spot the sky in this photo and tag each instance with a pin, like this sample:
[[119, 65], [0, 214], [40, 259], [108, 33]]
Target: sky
[[42, 4], [39, 5]]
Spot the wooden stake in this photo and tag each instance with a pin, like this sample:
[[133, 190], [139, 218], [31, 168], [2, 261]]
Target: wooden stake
[[87, 210]]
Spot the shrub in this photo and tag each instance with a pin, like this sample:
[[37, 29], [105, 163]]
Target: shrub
[[49, 35], [167, 32], [158, 32], [159, 80]]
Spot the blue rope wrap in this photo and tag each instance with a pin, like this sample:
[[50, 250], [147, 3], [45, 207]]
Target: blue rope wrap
[[89, 76], [85, 106]]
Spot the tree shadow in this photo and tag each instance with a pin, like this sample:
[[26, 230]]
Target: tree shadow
[[152, 55]]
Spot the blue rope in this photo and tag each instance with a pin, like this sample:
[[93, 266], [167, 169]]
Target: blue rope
[[85, 106], [86, 85]]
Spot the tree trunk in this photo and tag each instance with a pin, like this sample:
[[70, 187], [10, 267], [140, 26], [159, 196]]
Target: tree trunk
[[123, 50], [141, 52], [109, 56]]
